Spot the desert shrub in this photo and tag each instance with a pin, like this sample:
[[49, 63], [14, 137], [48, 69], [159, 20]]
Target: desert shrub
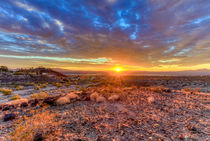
[[6, 91], [36, 87], [43, 85], [196, 90], [76, 82], [157, 89], [3, 69], [29, 84], [18, 73], [191, 90], [39, 125], [15, 97], [160, 89], [83, 89], [77, 87], [67, 84], [58, 85], [19, 88], [40, 95]]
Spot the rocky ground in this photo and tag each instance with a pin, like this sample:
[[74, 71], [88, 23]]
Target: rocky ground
[[138, 114]]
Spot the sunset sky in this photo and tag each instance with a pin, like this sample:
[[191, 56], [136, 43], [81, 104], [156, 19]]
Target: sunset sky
[[144, 35]]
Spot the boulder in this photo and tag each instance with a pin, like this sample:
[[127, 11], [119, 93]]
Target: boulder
[[114, 98], [151, 99], [9, 116], [93, 96], [100, 99], [72, 96], [62, 100]]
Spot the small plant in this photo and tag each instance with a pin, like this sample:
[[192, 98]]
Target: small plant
[[19, 88], [43, 85], [67, 84], [29, 84], [36, 87], [191, 90], [58, 85], [160, 89], [40, 95], [6, 91], [18, 73], [83, 89], [197, 90], [15, 97], [77, 87], [187, 89]]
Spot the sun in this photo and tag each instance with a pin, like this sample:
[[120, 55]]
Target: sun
[[117, 69]]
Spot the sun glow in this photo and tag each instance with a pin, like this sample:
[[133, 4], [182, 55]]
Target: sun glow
[[118, 69]]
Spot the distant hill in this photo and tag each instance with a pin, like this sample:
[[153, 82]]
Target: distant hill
[[42, 70], [200, 72]]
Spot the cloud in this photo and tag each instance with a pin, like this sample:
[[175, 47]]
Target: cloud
[[62, 59], [137, 32]]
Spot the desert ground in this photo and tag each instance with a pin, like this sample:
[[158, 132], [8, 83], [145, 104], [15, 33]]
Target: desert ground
[[42, 104]]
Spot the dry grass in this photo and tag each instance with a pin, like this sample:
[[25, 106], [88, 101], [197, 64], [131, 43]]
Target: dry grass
[[63, 100], [191, 90], [40, 95], [6, 91], [39, 126], [15, 97]]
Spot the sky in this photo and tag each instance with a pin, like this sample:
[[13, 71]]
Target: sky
[[144, 35]]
